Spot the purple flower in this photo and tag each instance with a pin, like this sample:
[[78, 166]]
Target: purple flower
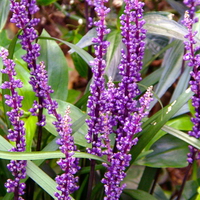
[[128, 112], [17, 134], [133, 35], [120, 159], [22, 16], [114, 175], [95, 104], [193, 61], [67, 182], [108, 120]]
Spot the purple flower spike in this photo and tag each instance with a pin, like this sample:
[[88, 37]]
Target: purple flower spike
[[23, 17], [193, 61], [67, 182], [95, 104], [17, 134], [121, 159], [127, 114], [133, 35]]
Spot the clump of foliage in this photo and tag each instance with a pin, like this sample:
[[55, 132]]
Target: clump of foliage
[[112, 141]]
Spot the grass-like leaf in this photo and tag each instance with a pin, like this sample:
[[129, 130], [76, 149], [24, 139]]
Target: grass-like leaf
[[168, 151], [157, 121], [86, 40], [85, 55], [159, 24], [183, 136], [172, 65], [4, 10], [57, 71], [34, 172], [139, 194], [44, 155]]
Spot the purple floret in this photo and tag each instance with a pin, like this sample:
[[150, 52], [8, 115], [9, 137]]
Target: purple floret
[[127, 112], [67, 182], [17, 133], [96, 104], [193, 61]]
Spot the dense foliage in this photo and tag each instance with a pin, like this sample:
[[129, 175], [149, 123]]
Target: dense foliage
[[133, 121]]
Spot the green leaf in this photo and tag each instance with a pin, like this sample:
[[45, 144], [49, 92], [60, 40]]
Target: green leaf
[[182, 83], [86, 170], [147, 179], [3, 129], [30, 127], [44, 155], [198, 196], [76, 114], [4, 41], [73, 96], [41, 178], [13, 45], [158, 24], [183, 136], [196, 25], [159, 193], [182, 122], [45, 2], [83, 100], [191, 190], [156, 122], [167, 152], [147, 63], [26, 91], [171, 65], [56, 67], [82, 188], [33, 171], [151, 79], [133, 176], [138, 194], [97, 191], [191, 108], [85, 55], [80, 65], [5, 174], [4, 10], [79, 123], [86, 40], [114, 37], [8, 196]]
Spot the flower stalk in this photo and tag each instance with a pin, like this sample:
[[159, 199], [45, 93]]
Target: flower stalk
[[67, 182], [194, 62], [95, 103], [127, 114], [17, 134], [23, 12]]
